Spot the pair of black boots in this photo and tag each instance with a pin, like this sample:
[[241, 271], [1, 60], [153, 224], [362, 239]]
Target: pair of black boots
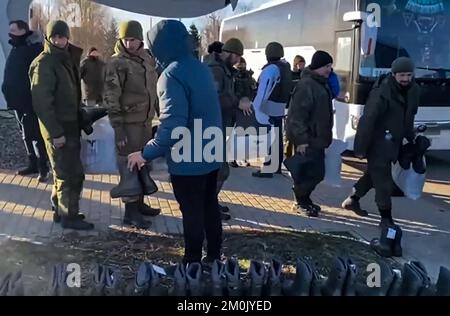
[[390, 242], [135, 183]]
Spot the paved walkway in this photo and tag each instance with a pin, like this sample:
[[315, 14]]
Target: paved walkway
[[256, 204]]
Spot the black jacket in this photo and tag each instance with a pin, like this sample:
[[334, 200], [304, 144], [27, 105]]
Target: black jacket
[[387, 109], [16, 83], [310, 117]]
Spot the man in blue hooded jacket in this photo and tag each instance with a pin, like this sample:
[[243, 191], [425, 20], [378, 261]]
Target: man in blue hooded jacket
[[188, 99]]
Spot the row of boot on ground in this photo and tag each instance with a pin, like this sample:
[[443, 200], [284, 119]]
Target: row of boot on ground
[[219, 278]]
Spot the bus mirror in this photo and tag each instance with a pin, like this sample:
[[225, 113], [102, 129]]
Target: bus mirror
[[354, 16]]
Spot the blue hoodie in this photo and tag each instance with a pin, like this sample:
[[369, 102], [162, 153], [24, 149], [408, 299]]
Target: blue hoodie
[[333, 83], [186, 93]]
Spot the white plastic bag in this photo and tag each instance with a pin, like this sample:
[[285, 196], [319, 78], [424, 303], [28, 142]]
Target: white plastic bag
[[98, 152], [333, 163], [409, 181]]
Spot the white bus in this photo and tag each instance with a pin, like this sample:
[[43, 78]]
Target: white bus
[[364, 44]]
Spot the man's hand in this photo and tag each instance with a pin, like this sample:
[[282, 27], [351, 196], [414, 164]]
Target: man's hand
[[136, 160], [301, 149], [59, 142], [245, 105]]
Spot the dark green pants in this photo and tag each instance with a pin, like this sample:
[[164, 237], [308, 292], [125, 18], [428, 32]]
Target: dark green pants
[[138, 135], [379, 177], [313, 174], [68, 174]]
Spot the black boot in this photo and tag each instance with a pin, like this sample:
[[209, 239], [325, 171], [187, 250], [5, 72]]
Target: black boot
[[148, 184], [443, 283], [147, 210], [232, 278], [194, 278], [397, 250], [147, 282], [32, 167], [133, 217], [336, 279], [301, 286], [12, 285], [412, 281], [274, 281], [387, 277], [352, 204], [113, 282], [179, 286], [75, 223], [385, 244], [217, 278], [426, 289], [396, 286], [349, 288], [257, 274], [130, 184], [98, 280]]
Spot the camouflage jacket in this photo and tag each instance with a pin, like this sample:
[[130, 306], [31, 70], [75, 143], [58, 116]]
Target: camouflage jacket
[[130, 87]]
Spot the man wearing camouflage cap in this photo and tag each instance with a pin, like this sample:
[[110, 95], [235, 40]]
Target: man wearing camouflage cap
[[131, 99]]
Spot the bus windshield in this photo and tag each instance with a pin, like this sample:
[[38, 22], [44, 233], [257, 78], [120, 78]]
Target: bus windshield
[[418, 29]]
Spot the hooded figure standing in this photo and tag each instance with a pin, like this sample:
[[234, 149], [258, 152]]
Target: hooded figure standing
[[188, 97], [92, 78], [56, 92], [27, 45], [388, 119], [131, 99]]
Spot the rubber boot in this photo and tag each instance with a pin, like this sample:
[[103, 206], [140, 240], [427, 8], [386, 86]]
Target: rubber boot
[[99, 280], [217, 278], [385, 244], [443, 283], [352, 204], [12, 285], [301, 285], [336, 279], [146, 210], [194, 278], [274, 282], [232, 278], [316, 284], [58, 282], [129, 184], [257, 274], [412, 281], [397, 250], [133, 217], [426, 289], [396, 285], [113, 282], [387, 276], [179, 286], [349, 288], [148, 184], [31, 168]]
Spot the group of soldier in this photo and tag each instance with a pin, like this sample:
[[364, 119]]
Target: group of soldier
[[169, 81]]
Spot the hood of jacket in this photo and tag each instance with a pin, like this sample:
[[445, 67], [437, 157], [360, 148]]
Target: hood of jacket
[[35, 37], [169, 41]]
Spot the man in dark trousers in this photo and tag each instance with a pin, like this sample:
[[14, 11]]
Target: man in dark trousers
[[56, 92], [388, 119], [194, 181], [309, 128], [27, 45], [92, 78]]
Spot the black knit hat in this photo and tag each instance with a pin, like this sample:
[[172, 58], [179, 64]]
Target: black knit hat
[[215, 47], [320, 59], [403, 64]]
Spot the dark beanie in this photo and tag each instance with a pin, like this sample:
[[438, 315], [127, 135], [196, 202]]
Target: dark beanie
[[274, 50], [215, 47], [58, 28], [131, 29], [403, 64], [320, 59], [234, 45]]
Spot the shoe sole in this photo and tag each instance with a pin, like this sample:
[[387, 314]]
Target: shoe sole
[[130, 223]]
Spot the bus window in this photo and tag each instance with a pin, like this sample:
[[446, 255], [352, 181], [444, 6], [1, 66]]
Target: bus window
[[343, 60]]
